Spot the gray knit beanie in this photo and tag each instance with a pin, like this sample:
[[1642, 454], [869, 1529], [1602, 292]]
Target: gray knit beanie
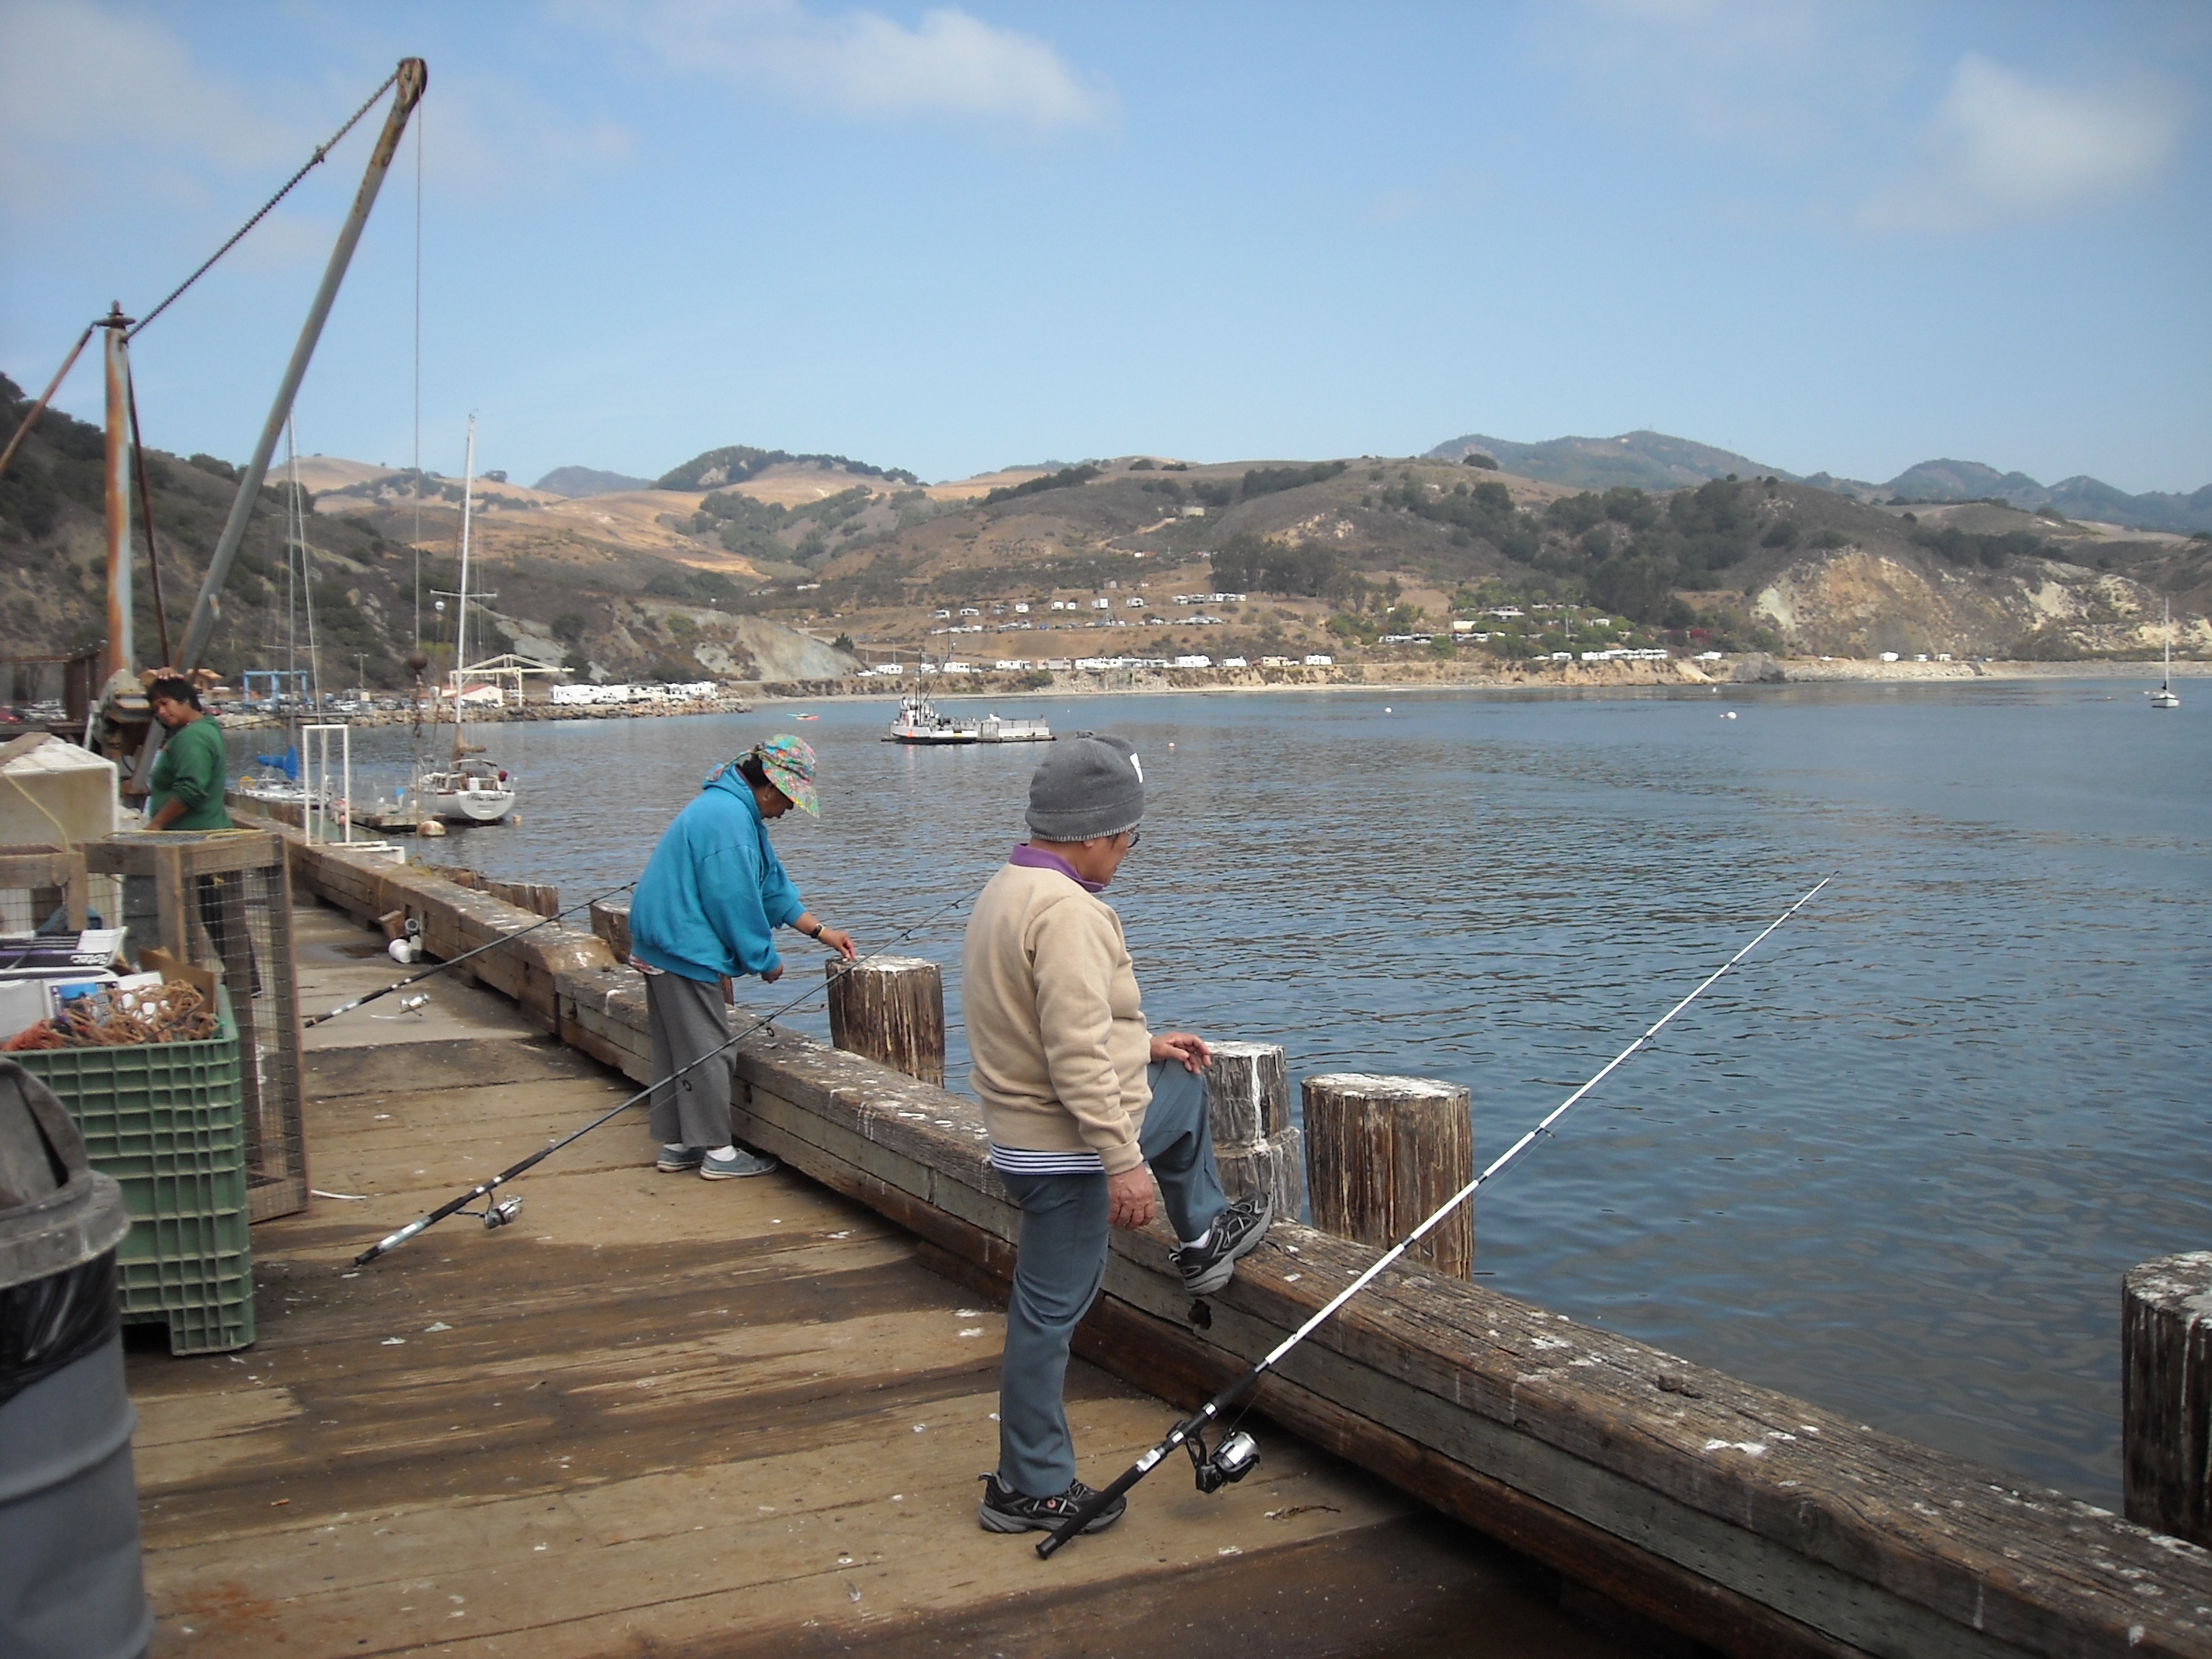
[[1092, 785]]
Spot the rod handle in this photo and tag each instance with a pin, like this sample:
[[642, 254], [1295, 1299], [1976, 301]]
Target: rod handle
[[1086, 1512]]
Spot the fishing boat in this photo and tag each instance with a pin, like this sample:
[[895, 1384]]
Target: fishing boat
[[919, 722], [467, 790], [2166, 696]]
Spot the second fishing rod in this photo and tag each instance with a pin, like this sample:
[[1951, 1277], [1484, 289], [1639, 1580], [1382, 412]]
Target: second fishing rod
[[499, 1214], [455, 961]]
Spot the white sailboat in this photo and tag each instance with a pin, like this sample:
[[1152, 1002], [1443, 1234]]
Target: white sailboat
[[468, 790], [2166, 696]]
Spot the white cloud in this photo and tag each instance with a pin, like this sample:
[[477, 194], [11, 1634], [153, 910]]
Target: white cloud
[[105, 113], [2002, 147], [79, 82], [1393, 205], [1785, 76], [865, 64]]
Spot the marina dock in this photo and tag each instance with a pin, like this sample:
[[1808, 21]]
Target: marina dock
[[661, 1415], [1745, 1521]]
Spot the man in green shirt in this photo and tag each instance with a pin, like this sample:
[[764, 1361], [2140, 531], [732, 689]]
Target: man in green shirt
[[187, 791]]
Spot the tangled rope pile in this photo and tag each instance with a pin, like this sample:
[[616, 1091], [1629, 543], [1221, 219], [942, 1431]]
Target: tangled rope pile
[[176, 1012]]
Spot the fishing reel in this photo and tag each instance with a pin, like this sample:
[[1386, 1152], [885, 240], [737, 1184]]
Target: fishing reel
[[1237, 1456], [497, 1215]]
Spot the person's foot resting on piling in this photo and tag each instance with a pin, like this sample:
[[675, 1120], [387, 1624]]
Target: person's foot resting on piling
[[1094, 1122]]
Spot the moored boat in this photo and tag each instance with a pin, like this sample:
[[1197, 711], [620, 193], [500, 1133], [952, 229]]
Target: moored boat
[[919, 722]]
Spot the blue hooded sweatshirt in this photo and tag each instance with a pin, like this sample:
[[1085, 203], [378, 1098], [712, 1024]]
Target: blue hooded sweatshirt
[[714, 891]]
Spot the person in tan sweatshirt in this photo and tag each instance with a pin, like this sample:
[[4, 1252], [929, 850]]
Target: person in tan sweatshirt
[[1085, 1106]]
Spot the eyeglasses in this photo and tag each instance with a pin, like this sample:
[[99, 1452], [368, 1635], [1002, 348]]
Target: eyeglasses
[[1134, 836]]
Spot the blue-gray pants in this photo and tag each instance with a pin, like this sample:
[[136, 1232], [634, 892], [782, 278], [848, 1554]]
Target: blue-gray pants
[[1061, 1262], [686, 1018]]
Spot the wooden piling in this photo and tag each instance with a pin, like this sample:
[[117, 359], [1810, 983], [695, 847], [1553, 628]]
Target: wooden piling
[[541, 897], [611, 921], [1255, 1148], [2165, 1394], [890, 1009], [1381, 1153]]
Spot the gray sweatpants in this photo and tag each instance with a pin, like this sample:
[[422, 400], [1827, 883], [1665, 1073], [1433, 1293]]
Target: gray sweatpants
[[1061, 1262], [687, 1017]]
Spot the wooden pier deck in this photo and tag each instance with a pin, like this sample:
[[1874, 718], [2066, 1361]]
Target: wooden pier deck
[[660, 1416]]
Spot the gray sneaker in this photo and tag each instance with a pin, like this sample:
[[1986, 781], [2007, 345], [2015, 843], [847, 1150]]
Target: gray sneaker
[[740, 1164], [1235, 1230], [679, 1160]]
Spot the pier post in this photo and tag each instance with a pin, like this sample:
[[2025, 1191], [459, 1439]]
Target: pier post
[[611, 921], [890, 1009], [1381, 1153], [542, 898], [2165, 1394], [1256, 1150]]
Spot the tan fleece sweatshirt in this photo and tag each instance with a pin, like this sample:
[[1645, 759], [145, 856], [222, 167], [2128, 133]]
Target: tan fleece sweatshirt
[[1056, 1023]]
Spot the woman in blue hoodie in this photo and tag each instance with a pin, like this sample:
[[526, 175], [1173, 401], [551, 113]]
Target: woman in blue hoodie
[[705, 911]]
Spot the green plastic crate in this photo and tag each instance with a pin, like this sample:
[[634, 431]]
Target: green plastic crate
[[166, 1120]]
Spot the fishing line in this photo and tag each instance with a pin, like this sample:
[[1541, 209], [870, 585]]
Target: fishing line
[[1234, 1458], [499, 1214], [455, 961]]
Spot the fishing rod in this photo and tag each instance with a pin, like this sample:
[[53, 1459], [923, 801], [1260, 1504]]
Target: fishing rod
[[1234, 1456], [497, 1215], [455, 961]]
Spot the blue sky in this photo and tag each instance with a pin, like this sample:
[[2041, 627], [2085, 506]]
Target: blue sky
[[1847, 236]]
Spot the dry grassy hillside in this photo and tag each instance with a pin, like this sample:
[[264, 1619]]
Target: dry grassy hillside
[[699, 574]]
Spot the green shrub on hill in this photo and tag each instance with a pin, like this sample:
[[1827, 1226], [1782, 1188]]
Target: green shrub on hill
[[1960, 547], [1250, 563], [734, 463], [1270, 480], [1066, 479]]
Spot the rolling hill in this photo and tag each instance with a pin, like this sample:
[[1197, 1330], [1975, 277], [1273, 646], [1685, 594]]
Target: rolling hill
[[1652, 460], [742, 561]]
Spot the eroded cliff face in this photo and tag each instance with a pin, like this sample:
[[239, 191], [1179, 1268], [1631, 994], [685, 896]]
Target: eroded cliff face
[[1853, 603]]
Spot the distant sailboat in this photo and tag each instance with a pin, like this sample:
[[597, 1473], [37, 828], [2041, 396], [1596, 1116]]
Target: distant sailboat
[[2166, 696], [468, 791]]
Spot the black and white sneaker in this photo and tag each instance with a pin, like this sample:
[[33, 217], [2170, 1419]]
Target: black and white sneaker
[[1206, 1267], [1006, 1510]]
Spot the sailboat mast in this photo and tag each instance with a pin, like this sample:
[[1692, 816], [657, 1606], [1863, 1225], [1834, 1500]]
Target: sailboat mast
[[461, 624]]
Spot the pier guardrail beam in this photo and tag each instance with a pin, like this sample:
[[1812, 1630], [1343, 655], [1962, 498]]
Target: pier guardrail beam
[[2165, 1394], [1381, 1153], [1256, 1150], [890, 1009]]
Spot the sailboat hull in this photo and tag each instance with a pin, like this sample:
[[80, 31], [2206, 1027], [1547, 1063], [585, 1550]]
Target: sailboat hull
[[472, 805]]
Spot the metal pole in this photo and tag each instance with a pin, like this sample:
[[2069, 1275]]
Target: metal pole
[[121, 656], [414, 76]]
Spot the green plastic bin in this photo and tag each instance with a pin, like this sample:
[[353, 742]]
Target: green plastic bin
[[166, 1120]]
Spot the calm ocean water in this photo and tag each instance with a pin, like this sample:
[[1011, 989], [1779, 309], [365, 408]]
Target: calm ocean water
[[1897, 1164]]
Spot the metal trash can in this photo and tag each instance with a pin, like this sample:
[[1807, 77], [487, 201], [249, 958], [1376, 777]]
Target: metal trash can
[[72, 1582]]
